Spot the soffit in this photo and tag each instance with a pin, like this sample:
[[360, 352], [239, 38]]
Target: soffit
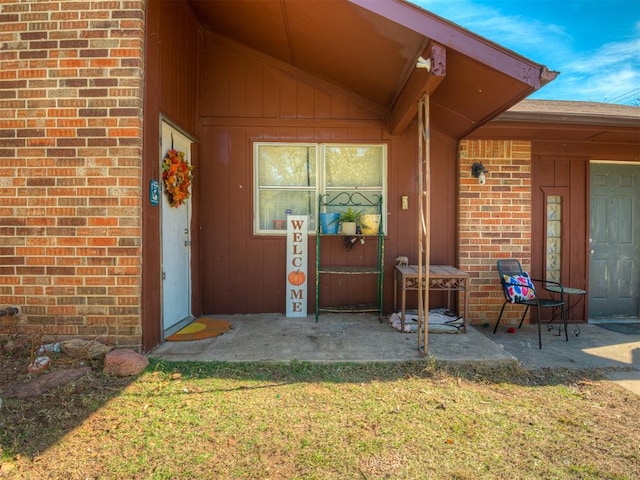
[[371, 48]]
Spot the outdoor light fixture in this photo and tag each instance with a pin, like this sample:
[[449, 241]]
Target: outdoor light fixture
[[422, 63], [478, 171]]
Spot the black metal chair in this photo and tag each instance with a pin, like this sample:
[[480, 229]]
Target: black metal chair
[[518, 288]]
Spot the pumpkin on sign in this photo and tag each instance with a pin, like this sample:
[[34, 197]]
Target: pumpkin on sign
[[296, 278]]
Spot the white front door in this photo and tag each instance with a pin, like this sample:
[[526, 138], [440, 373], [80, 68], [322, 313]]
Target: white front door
[[176, 241]]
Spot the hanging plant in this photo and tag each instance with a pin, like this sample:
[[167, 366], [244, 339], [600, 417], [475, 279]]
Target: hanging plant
[[176, 176]]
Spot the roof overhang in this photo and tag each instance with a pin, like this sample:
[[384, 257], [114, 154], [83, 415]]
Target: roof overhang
[[371, 48], [598, 130]]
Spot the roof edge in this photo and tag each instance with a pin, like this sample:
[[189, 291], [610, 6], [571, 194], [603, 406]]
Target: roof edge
[[564, 111], [462, 40]]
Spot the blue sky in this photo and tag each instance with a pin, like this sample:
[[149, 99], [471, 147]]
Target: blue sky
[[594, 44]]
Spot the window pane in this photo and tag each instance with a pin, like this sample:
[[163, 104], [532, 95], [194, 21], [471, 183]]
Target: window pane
[[353, 166], [274, 204], [286, 165]]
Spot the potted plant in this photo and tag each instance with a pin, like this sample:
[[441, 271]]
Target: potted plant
[[349, 219]]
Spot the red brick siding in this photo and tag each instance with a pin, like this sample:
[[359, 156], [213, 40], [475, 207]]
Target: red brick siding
[[70, 166], [494, 220]]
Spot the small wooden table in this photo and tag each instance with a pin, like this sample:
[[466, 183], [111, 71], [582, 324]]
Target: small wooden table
[[441, 277]]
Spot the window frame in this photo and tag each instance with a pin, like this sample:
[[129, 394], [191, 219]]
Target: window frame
[[565, 232], [321, 183]]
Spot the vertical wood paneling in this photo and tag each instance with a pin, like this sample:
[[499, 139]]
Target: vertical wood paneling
[[215, 87], [271, 91], [288, 96], [242, 273], [579, 254], [562, 172], [304, 101], [339, 107], [255, 89], [239, 215], [321, 104], [237, 85], [178, 35], [172, 44], [571, 173], [216, 219]]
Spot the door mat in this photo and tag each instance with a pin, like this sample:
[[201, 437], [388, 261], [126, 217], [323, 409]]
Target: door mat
[[200, 329], [625, 328]]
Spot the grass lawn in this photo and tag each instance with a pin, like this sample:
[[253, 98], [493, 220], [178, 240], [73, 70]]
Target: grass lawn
[[297, 420]]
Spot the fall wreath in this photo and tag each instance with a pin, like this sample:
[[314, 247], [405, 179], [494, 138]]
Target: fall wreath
[[176, 176]]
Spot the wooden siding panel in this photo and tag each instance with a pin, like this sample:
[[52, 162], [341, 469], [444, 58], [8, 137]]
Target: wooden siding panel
[[579, 254], [443, 200], [571, 173], [304, 101], [244, 273], [240, 214], [271, 91], [178, 43], [238, 84], [172, 45], [321, 104], [544, 170], [215, 87], [288, 96], [339, 106], [214, 208], [255, 96], [562, 173]]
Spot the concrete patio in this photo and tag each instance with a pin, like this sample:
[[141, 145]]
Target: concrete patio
[[361, 338]]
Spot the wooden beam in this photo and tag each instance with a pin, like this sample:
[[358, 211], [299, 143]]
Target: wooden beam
[[457, 38], [420, 82], [424, 221]]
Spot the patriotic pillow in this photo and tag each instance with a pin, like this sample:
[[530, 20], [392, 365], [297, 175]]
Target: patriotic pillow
[[519, 288]]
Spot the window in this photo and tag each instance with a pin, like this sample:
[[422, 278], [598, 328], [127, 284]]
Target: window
[[290, 176], [554, 237], [556, 228]]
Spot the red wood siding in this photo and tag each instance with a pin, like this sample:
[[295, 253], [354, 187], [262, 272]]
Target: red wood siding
[[571, 173], [171, 79], [246, 97]]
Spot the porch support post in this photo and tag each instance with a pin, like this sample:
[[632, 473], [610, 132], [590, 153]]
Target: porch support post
[[424, 227]]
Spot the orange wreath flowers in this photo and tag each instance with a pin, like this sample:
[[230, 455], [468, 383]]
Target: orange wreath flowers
[[176, 176]]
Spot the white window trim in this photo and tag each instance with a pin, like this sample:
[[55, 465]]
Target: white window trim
[[320, 187]]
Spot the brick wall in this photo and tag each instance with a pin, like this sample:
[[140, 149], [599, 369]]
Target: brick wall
[[70, 167], [494, 221]]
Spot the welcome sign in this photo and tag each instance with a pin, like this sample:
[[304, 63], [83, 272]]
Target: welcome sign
[[296, 284]]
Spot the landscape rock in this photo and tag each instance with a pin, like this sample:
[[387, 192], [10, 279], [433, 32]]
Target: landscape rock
[[124, 363], [45, 382], [85, 349]]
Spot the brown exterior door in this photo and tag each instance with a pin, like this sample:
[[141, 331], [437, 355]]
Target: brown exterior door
[[614, 271]]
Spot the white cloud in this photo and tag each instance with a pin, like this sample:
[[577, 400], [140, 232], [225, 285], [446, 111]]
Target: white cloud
[[603, 73]]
